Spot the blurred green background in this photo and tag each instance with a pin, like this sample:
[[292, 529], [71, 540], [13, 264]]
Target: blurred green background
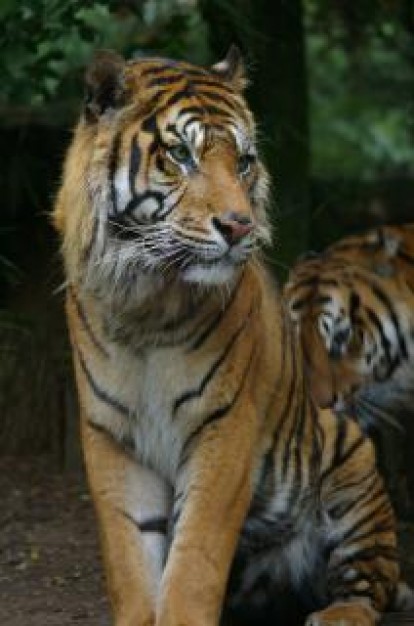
[[332, 86]]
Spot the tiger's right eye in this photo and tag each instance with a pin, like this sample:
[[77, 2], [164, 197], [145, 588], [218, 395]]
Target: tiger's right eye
[[181, 154], [244, 163]]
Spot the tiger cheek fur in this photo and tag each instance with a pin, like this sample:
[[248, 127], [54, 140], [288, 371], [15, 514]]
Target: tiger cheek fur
[[208, 463]]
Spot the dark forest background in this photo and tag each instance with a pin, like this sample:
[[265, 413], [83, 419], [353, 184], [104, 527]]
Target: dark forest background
[[332, 86]]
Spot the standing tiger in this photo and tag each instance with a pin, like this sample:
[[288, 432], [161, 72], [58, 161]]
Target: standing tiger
[[207, 460]]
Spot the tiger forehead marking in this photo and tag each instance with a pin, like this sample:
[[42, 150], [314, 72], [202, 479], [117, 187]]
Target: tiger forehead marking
[[186, 104]]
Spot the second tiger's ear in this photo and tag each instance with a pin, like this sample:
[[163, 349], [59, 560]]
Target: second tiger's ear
[[232, 69], [104, 86]]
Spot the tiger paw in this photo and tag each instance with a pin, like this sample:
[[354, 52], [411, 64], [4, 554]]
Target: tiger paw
[[344, 614]]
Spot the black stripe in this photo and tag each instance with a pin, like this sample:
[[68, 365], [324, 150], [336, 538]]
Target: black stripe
[[379, 529], [181, 94], [201, 109], [363, 498], [169, 65], [220, 97], [388, 304], [207, 81], [125, 441], [293, 430], [217, 319], [316, 439], [135, 161], [339, 508], [171, 79], [300, 303], [102, 395], [296, 482], [310, 281], [149, 124], [85, 323], [369, 553], [341, 433], [328, 282], [382, 297], [385, 342], [404, 256], [88, 251], [112, 167], [347, 455], [173, 323], [289, 396], [371, 516], [160, 66], [154, 525], [151, 525], [196, 393], [265, 486], [161, 213], [217, 414]]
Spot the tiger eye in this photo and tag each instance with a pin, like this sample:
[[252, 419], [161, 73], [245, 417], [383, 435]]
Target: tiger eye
[[244, 164], [181, 154]]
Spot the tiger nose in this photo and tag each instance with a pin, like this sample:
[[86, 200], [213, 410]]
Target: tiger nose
[[233, 226]]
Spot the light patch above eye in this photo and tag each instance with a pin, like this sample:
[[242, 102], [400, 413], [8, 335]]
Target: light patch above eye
[[195, 134], [245, 163], [189, 132], [122, 191], [244, 144]]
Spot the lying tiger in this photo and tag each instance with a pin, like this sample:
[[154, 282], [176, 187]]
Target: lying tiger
[[354, 306], [215, 479]]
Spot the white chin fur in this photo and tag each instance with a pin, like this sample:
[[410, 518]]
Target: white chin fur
[[217, 274]]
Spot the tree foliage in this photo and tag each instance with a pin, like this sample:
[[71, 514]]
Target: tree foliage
[[44, 44], [361, 77]]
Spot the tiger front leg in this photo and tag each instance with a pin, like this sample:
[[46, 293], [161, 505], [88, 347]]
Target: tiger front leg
[[132, 505], [344, 614], [362, 568], [214, 494]]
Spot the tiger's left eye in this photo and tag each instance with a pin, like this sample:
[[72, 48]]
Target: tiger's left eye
[[244, 164], [181, 154]]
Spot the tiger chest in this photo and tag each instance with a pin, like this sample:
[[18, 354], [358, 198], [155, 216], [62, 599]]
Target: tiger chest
[[144, 389]]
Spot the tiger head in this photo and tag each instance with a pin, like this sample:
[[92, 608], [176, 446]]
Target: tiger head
[[162, 180], [351, 328]]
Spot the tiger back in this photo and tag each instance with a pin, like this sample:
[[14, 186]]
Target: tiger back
[[385, 251], [215, 478]]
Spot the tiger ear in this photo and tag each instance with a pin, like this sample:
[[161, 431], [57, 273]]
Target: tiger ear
[[104, 88], [232, 69]]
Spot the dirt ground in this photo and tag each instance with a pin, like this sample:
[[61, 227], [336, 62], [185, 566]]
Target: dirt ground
[[50, 573]]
